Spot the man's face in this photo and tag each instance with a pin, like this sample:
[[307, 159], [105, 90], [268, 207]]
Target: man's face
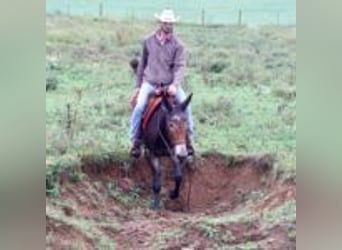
[[166, 27]]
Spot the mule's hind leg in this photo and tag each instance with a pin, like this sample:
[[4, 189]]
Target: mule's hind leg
[[156, 182]]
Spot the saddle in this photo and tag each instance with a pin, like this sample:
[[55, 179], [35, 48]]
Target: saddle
[[153, 104]]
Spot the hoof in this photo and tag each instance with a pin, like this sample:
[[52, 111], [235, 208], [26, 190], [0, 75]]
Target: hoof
[[173, 195], [155, 208], [155, 205]]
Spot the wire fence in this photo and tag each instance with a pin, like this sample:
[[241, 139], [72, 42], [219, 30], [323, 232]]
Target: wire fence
[[282, 13]]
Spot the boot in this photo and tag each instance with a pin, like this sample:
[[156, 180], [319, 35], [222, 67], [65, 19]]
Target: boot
[[189, 146], [135, 150]]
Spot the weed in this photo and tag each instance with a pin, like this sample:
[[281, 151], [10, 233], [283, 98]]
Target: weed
[[208, 230], [103, 242], [124, 198], [285, 212]]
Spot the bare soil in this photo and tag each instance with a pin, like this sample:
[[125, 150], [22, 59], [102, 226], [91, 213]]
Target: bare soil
[[110, 207]]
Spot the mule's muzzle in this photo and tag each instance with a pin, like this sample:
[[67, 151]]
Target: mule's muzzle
[[181, 151]]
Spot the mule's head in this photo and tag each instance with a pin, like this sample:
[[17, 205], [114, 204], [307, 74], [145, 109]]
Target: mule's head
[[176, 126]]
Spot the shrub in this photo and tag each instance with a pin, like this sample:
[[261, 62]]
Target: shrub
[[51, 83]]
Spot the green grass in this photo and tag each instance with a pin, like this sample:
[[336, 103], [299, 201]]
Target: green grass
[[243, 82], [244, 102]]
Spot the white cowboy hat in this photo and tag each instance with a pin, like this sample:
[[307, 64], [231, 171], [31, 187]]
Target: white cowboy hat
[[167, 16]]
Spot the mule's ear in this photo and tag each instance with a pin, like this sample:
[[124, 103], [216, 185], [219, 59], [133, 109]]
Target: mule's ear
[[167, 104], [186, 102]]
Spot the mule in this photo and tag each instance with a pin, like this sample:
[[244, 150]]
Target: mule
[[164, 134]]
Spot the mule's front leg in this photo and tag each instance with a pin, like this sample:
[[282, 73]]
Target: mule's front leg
[[178, 179], [156, 182]]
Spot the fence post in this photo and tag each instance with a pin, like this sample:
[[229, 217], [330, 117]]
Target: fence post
[[132, 17], [100, 9], [278, 17], [203, 17], [68, 8], [240, 17]]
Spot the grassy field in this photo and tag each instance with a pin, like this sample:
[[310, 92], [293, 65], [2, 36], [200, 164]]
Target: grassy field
[[244, 85], [216, 11], [243, 82]]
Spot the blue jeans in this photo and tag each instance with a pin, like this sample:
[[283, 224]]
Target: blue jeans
[[145, 90]]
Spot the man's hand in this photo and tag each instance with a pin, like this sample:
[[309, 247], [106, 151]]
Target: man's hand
[[157, 91], [172, 90]]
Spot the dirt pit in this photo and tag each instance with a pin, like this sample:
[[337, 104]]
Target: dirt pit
[[114, 200], [210, 180]]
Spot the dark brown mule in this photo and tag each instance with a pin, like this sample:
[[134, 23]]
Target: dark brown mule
[[165, 135]]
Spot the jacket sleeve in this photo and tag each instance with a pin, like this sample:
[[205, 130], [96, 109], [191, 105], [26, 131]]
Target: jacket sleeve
[[142, 65], [179, 65]]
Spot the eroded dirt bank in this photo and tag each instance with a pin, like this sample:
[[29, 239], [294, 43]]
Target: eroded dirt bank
[[231, 202]]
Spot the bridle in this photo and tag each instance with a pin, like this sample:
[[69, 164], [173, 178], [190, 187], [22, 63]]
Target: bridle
[[173, 157]]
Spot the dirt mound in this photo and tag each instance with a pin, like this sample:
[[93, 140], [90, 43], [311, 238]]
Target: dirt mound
[[218, 193]]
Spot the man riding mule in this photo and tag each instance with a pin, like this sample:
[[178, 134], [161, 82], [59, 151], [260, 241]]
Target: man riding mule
[[162, 64]]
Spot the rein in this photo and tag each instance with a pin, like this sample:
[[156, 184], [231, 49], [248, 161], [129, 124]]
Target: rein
[[174, 159], [169, 150]]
